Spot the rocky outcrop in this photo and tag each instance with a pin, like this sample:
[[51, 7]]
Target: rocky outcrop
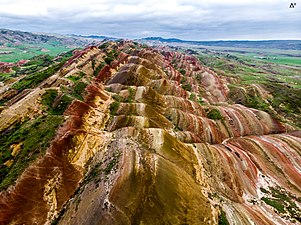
[[156, 141]]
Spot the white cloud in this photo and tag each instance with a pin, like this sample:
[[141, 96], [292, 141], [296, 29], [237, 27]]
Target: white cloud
[[201, 19]]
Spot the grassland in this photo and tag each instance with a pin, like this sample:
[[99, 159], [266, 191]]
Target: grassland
[[14, 53], [254, 70], [33, 137], [276, 71]]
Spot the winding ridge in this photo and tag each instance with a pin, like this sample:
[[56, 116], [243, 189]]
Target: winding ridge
[[157, 141]]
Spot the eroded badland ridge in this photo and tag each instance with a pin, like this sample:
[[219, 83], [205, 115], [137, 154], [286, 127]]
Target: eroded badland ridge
[[126, 134]]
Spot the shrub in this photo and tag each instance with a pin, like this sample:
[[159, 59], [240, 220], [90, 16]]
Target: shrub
[[192, 97], [131, 95], [117, 98], [182, 71], [222, 219], [93, 64], [48, 98], [98, 69], [104, 45], [214, 114], [78, 90], [78, 77], [114, 107], [274, 203], [187, 87], [201, 101], [108, 60]]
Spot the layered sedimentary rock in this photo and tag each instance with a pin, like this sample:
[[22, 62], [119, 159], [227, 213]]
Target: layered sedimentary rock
[[155, 141]]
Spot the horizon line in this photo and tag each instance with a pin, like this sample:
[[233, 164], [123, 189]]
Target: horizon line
[[138, 38]]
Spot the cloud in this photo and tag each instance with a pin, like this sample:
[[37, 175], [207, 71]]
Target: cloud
[[193, 20]]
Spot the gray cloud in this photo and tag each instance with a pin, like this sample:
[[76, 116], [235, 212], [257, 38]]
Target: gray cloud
[[200, 20]]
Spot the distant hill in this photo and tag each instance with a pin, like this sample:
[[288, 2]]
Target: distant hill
[[19, 45], [95, 37], [163, 39], [268, 44], [18, 37]]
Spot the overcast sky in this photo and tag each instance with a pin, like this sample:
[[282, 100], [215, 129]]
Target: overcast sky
[[185, 19]]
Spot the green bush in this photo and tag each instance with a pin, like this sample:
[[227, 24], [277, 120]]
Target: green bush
[[78, 90], [183, 80], [182, 71], [257, 103], [93, 64], [118, 98], [222, 219], [114, 107], [98, 69], [48, 100], [192, 97], [131, 95], [5, 76], [214, 114], [201, 101], [108, 60], [104, 45], [77, 77], [274, 203], [62, 106], [187, 87]]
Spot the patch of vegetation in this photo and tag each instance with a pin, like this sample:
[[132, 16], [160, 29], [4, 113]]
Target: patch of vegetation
[[282, 201], [263, 190], [113, 54], [77, 78], [289, 97], [48, 98], [53, 107], [39, 60], [110, 56], [187, 87], [182, 71], [5, 76], [114, 107], [248, 98], [108, 60], [104, 45], [131, 95], [28, 51], [32, 80], [183, 80], [34, 136], [78, 90], [192, 97], [111, 164], [274, 203], [94, 173], [257, 102], [201, 101], [64, 102], [98, 69], [117, 98], [214, 114], [222, 219]]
